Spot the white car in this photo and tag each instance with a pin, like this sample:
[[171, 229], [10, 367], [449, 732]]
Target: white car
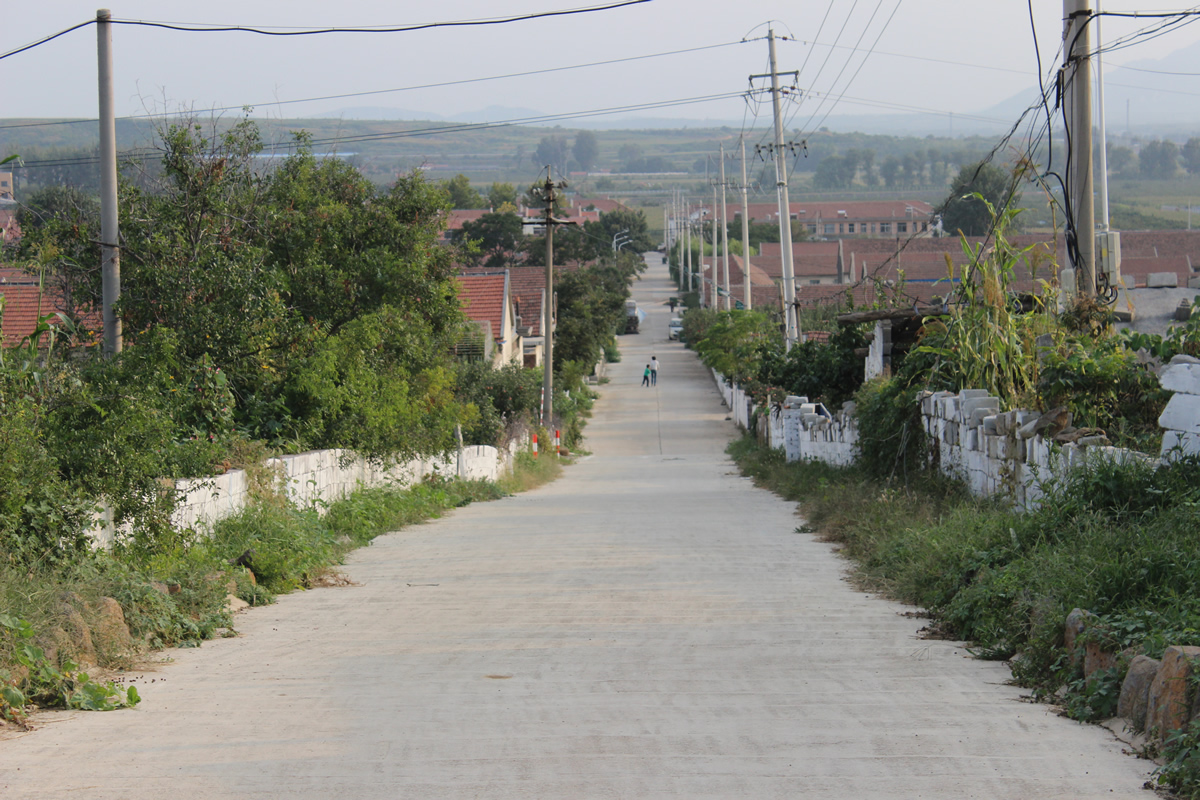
[[674, 328]]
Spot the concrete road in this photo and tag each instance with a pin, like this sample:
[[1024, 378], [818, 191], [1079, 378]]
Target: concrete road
[[649, 626]]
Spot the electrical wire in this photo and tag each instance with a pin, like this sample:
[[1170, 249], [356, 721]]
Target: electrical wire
[[417, 87], [270, 31], [432, 131], [863, 63], [199, 28]]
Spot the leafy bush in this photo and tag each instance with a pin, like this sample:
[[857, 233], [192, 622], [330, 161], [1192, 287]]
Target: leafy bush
[[1104, 386], [43, 518], [500, 396], [825, 372]]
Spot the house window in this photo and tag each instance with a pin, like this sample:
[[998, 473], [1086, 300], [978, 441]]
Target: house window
[[829, 227], [849, 227], [812, 227], [814, 282], [901, 227], [885, 227], [924, 227]]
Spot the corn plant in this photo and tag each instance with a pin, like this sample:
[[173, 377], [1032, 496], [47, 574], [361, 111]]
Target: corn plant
[[987, 342]]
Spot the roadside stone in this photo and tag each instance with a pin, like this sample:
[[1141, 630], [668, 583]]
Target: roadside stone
[[235, 603], [1096, 658], [1169, 706], [1135, 690], [1076, 624], [79, 636], [109, 630]]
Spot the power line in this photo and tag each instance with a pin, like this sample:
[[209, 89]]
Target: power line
[[863, 63], [144, 153], [268, 31], [417, 87], [280, 31]]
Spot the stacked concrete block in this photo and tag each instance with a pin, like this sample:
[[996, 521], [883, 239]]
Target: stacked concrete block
[[1180, 420]]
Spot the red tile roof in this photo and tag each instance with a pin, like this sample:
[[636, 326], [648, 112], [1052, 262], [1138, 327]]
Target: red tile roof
[[483, 299], [24, 303]]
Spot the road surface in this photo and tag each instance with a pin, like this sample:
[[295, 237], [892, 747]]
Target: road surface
[[648, 626]]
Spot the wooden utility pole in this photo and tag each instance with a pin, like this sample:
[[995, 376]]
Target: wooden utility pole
[[1077, 109], [110, 234], [548, 193]]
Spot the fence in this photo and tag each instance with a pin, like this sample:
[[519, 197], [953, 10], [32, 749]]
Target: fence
[[317, 477], [1013, 452]]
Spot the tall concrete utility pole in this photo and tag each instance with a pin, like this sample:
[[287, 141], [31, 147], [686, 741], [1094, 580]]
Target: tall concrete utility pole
[[785, 215], [1078, 111], [110, 249], [716, 254], [725, 239], [687, 239], [1101, 127], [745, 232]]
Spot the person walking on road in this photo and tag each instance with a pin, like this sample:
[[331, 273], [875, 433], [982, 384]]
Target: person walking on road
[[646, 376], [653, 370]]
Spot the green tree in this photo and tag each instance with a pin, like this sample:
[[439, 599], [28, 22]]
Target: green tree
[[736, 344], [1122, 161], [962, 212], [586, 150], [462, 195], [496, 236], [553, 152], [1191, 155], [502, 197], [835, 172], [591, 301], [1159, 159]]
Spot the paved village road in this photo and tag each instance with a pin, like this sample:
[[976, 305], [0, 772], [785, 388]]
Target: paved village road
[[649, 626]]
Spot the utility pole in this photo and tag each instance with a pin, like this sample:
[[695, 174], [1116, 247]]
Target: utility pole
[[548, 193], [745, 232], [1078, 110], [716, 255], [687, 237], [785, 213], [1101, 128], [725, 238], [110, 249]]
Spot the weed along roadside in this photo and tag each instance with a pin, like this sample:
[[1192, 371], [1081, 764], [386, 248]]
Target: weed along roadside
[[110, 615]]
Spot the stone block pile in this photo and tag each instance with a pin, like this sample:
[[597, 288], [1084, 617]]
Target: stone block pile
[[811, 432]]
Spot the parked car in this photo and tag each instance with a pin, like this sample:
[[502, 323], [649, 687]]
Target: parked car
[[675, 328]]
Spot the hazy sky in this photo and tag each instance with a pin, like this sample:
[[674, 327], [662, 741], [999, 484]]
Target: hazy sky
[[944, 55]]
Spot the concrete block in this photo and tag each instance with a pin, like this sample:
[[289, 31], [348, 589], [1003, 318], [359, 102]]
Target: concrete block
[[1135, 691], [1181, 377], [1169, 705], [975, 418], [973, 439], [1182, 413], [991, 424], [1176, 444], [1194, 282], [973, 394], [1162, 280], [971, 405]]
